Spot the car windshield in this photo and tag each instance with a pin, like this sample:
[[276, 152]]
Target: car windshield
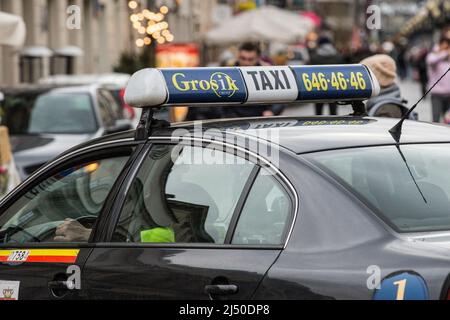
[[53, 113], [409, 186]]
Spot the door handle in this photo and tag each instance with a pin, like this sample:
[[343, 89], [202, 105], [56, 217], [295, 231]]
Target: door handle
[[61, 285], [221, 290]]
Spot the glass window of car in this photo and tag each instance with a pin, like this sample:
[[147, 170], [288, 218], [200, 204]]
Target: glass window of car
[[115, 96], [266, 213], [108, 109], [63, 113], [16, 109], [54, 113], [183, 195], [409, 187], [64, 207]]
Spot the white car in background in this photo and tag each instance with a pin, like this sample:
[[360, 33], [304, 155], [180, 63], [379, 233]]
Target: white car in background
[[44, 121], [115, 83]]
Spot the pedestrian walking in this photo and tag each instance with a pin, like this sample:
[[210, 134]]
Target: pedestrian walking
[[326, 53], [390, 98], [249, 55], [438, 62]]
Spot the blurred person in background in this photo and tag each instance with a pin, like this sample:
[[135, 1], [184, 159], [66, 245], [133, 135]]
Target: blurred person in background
[[402, 64], [207, 113], [419, 61], [385, 70], [438, 62], [326, 53], [249, 55]]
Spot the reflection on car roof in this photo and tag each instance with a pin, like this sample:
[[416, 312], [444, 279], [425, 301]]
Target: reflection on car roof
[[312, 134]]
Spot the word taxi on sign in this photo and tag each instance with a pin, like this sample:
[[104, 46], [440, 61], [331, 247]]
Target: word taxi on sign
[[250, 85]]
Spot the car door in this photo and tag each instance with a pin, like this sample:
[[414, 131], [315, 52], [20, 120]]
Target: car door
[[46, 226], [197, 223]]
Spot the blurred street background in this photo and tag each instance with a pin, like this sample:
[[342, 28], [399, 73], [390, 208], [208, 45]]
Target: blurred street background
[[79, 37]]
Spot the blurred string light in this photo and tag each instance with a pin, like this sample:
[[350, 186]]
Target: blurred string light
[[433, 11], [150, 25]]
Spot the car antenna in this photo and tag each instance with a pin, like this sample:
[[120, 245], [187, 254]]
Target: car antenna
[[411, 173], [396, 131]]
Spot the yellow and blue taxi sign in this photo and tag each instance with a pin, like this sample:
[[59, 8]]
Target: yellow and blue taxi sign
[[402, 286], [250, 85]]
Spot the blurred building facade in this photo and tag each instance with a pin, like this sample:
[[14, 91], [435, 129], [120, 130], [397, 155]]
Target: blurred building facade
[[106, 32], [54, 47], [190, 19]]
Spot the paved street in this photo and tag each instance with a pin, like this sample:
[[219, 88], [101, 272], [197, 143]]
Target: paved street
[[410, 90]]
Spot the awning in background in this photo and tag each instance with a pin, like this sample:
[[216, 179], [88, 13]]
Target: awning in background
[[313, 17], [69, 51], [37, 52], [267, 23], [12, 30]]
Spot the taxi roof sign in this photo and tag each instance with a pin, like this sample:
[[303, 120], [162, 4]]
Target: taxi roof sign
[[250, 85]]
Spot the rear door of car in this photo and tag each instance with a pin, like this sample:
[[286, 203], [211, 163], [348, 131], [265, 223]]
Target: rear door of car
[[33, 263], [197, 222]]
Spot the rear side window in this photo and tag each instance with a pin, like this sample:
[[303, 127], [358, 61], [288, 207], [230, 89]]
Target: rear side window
[[409, 187], [265, 214], [183, 196], [194, 195]]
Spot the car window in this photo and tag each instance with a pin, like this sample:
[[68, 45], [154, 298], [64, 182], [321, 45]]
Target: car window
[[106, 111], [16, 110], [53, 113], [63, 113], [409, 187], [265, 215], [115, 105], [63, 208], [183, 195]]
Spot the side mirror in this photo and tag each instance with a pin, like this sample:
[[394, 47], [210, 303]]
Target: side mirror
[[2, 96], [120, 126]]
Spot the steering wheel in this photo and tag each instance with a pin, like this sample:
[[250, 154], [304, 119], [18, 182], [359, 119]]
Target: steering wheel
[[87, 221]]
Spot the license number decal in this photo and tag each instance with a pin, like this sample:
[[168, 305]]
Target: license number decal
[[19, 256]]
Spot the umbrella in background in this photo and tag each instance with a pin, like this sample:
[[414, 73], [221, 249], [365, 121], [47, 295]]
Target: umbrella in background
[[12, 30], [313, 17], [267, 23]]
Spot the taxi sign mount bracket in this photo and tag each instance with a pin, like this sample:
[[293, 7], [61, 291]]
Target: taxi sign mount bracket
[[359, 109], [147, 124]]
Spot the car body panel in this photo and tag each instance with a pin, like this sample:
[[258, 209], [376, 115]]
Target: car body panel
[[173, 273], [337, 239], [35, 277]]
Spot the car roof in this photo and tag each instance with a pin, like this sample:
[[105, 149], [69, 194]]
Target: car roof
[[36, 89], [113, 80], [78, 89], [27, 89], [312, 134]]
